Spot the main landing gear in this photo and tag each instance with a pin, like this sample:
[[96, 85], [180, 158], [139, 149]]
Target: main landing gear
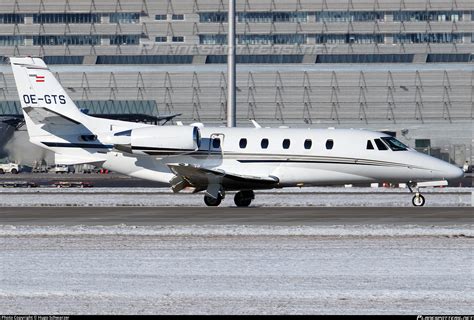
[[242, 199], [212, 202]]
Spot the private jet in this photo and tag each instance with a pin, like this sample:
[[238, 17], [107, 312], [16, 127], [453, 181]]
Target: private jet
[[218, 159]]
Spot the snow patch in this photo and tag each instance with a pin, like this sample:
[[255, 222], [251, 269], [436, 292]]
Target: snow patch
[[243, 230]]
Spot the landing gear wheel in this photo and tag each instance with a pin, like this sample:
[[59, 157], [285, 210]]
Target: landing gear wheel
[[418, 200], [244, 198], [211, 202]]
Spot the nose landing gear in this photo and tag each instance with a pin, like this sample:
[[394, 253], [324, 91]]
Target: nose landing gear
[[418, 200]]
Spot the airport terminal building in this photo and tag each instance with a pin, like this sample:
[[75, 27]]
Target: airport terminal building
[[405, 66]]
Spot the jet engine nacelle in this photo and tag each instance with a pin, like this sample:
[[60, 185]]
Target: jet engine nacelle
[[159, 140]]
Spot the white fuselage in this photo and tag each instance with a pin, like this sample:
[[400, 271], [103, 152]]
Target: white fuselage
[[348, 161]]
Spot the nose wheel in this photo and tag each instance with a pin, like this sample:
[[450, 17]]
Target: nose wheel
[[418, 200], [244, 198]]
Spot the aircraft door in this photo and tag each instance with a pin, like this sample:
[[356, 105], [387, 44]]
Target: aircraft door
[[216, 142]]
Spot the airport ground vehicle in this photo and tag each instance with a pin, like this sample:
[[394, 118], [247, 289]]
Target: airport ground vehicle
[[62, 168], [9, 168]]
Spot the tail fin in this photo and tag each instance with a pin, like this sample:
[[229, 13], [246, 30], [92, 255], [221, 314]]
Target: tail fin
[[52, 119], [43, 100]]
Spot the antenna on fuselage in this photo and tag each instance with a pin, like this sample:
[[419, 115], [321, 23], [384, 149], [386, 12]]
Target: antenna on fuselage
[[255, 124]]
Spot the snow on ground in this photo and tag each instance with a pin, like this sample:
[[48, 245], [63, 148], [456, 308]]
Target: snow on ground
[[368, 230], [294, 197], [236, 269]]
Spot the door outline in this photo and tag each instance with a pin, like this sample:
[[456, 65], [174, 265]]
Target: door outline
[[212, 138]]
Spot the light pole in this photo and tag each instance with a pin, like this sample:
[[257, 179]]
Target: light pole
[[231, 69]]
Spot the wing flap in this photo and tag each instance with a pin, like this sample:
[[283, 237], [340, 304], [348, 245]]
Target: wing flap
[[189, 175]]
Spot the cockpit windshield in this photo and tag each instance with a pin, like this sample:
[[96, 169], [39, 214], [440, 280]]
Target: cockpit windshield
[[394, 144]]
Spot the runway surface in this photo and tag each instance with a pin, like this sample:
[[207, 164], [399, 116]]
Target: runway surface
[[290, 197], [258, 260], [150, 216]]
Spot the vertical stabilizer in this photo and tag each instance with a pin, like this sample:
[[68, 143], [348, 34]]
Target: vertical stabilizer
[[41, 96]]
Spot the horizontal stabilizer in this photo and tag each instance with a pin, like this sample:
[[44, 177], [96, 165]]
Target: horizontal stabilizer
[[40, 115], [168, 117]]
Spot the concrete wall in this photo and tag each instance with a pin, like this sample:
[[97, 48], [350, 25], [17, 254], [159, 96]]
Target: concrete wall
[[148, 28]]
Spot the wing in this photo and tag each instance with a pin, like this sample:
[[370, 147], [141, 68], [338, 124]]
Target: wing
[[188, 175]]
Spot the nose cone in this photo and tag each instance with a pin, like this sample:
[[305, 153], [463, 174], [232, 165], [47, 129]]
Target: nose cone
[[452, 172], [438, 169]]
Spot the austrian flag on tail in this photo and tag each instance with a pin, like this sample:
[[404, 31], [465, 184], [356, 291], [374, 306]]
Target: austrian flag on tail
[[37, 77]]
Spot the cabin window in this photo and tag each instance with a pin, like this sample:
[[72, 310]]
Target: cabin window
[[264, 143], [286, 143], [370, 146], [243, 143], [380, 144], [308, 143], [329, 144], [216, 143], [394, 144]]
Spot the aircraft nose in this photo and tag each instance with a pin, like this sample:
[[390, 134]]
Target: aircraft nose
[[451, 172]]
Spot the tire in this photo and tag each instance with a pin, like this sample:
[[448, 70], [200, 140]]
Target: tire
[[243, 198], [14, 171], [211, 202], [1, 171], [418, 201]]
